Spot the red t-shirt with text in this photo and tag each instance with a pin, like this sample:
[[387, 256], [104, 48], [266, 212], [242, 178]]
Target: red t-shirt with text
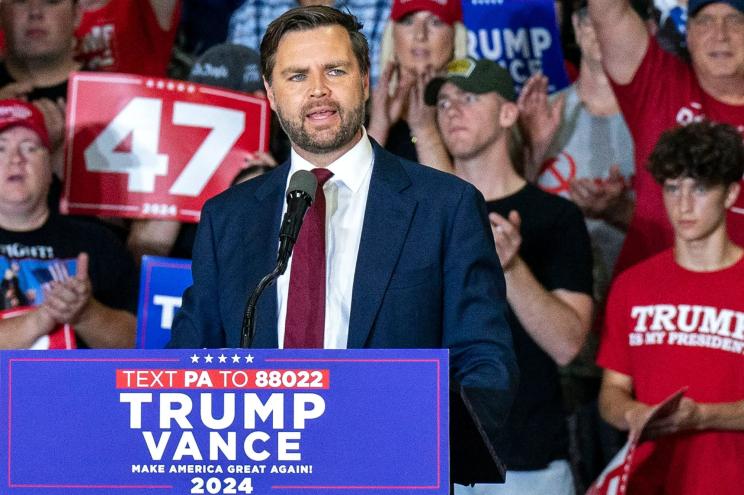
[[667, 328], [665, 93]]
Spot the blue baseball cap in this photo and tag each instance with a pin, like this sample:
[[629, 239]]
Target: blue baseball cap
[[694, 6]]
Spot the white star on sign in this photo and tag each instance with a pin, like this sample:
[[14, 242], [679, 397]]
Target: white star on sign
[[208, 358], [222, 358], [194, 358], [249, 359], [236, 358]]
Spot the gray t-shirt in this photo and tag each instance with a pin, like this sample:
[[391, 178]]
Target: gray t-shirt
[[586, 146]]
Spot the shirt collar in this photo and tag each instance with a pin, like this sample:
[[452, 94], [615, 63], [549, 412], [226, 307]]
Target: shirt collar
[[350, 168]]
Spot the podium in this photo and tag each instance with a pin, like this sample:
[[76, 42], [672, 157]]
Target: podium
[[228, 421], [237, 421], [474, 423]]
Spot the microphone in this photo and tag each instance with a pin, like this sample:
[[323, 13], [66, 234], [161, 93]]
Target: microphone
[[300, 195]]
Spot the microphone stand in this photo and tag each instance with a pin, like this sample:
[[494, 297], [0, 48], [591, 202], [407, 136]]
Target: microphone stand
[[249, 315]]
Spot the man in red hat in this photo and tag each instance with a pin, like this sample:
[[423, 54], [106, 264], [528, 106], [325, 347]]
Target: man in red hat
[[100, 298]]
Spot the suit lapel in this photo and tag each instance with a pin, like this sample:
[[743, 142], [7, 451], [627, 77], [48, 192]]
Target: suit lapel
[[387, 218], [263, 246]]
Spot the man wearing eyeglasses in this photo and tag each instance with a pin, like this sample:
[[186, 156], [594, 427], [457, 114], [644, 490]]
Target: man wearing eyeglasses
[[657, 91]]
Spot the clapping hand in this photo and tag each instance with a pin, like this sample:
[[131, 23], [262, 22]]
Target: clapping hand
[[66, 299], [507, 237]]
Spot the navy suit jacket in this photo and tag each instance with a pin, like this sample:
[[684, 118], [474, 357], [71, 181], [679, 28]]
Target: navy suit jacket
[[427, 273]]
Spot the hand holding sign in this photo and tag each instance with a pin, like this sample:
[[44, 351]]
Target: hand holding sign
[[687, 416], [675, 414], [614, 478]]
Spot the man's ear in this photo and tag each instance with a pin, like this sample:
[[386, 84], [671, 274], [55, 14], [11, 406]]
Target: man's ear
[[732, 193], [365, 86], [78, 13], [269, 94], [575, 22], [508, 114]]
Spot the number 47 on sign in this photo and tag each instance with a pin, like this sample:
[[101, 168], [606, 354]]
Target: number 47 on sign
[[140, 147]]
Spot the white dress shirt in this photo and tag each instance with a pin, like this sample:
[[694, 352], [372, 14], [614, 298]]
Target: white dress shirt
[[346, 200]]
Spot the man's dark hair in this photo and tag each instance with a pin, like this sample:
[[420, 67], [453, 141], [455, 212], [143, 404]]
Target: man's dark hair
[[306, 18], [710, 153]]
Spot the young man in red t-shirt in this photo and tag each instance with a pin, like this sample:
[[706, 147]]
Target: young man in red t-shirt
[[676, 321], [657, 91]]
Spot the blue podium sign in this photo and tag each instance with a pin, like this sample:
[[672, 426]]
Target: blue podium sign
[[162, 282], [229, 421]]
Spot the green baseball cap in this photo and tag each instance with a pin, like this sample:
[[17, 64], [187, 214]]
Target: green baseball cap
[[474, 76]]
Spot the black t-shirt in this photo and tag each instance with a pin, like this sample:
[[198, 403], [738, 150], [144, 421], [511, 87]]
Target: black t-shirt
[[52, 92], [111, 269], [556, 247], [399, 141]]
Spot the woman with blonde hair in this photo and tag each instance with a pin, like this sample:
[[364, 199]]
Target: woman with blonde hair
[[420, 39]]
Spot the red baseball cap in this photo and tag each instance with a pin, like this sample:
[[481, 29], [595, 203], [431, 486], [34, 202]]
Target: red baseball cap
[[448, 11], [21, 113]]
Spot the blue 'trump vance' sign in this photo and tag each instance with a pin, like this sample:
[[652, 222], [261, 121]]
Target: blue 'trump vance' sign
[[227, 421]]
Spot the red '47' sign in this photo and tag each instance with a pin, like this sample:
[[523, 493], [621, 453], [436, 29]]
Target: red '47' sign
[[143, 147]]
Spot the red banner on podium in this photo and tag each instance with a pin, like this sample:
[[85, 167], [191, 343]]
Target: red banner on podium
[[142, 147]]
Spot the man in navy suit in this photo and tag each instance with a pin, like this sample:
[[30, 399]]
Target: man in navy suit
[[410, 259]]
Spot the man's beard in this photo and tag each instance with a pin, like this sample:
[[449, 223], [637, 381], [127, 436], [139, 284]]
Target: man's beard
[[351, 122]]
